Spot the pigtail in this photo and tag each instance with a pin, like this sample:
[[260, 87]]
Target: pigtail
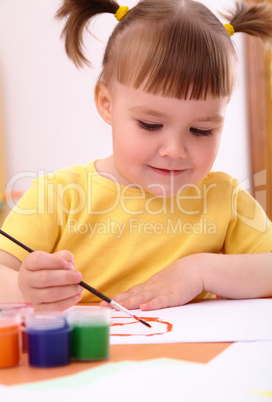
[[253, 19], [78, 13]]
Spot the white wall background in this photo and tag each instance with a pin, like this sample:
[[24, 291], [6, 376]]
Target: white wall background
[[49, 115]]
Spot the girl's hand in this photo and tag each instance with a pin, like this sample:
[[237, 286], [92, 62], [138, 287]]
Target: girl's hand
[[49, 281], [173, 286]]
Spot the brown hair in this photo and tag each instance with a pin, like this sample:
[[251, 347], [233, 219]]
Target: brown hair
[[177, 48]]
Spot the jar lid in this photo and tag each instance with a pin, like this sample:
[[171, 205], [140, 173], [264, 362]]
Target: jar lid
[[89, 314], [21, 308], [45, 321], [8, 318]]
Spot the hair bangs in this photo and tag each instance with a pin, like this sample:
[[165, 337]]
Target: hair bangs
[[177, 60]]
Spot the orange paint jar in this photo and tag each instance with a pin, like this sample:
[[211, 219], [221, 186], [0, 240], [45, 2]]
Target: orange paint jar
[[24, 310], [10, 340]]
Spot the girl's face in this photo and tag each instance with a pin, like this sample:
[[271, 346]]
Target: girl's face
[[161, 144]]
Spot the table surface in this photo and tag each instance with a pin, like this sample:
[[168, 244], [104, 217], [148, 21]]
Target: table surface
[[194, 352]]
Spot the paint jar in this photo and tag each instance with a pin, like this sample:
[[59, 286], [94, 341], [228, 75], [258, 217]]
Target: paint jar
[[16, 307], [90, 336], [10, 339], [48, 338], [24, 310]]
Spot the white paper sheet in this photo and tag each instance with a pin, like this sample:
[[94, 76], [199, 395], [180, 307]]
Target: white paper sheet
[[243, 372], [246, 365], [206, 321], [240, 374], [156, 380]]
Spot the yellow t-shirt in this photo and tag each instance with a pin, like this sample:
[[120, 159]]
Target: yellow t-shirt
[[121, 236]]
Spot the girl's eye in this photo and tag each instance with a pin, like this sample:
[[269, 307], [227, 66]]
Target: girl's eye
[[149, 126], [201, 133]]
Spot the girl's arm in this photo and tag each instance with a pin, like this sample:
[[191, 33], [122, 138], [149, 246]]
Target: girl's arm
[[9, 289], [239, 276]]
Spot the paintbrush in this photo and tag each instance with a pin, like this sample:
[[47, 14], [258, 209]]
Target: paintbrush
[[94, 291]]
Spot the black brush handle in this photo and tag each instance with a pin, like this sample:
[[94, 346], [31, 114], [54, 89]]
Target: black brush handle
[[83, 284], [95, 291], [16, 241]]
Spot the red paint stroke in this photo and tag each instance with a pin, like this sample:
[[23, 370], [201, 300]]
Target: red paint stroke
[[168, 325]]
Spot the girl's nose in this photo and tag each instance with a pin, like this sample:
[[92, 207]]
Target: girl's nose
[[173, 148]]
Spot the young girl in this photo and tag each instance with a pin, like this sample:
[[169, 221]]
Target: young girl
[[150, 225]]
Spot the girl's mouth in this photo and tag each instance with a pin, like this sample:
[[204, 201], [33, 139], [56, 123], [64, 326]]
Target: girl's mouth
[[167, 172]]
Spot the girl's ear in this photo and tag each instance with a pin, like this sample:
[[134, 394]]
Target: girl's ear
[[103, 101]]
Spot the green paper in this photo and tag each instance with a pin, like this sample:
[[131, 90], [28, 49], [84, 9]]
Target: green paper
[[87, 377]]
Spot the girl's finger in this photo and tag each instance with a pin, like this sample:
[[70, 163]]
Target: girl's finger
[[60, 305], [132, 292], [42, 260], [134, 302], [54, 294], [47, 278], [159, 302]]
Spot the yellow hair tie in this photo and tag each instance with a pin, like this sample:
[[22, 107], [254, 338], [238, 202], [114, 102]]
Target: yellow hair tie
[[230, 29], [121, 12]]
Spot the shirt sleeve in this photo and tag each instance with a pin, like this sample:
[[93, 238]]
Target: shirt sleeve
[[35, 221], [249, 230]]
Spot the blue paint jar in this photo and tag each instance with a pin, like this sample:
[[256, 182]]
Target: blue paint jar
[[48, 338]]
